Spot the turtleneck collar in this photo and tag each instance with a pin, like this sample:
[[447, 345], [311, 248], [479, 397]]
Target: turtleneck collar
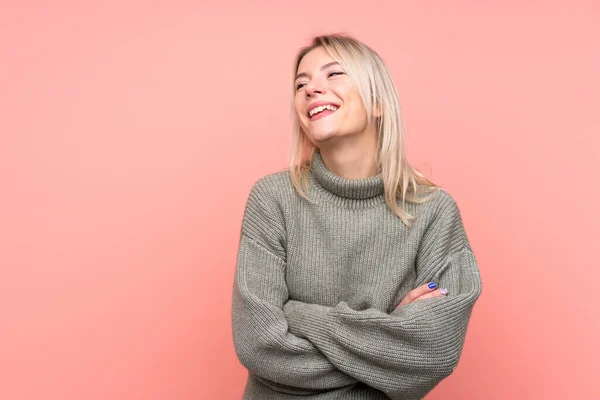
[[349, 188]]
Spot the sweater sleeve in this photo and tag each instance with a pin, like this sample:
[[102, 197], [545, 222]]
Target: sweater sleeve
[[408, 352], [262, 342]]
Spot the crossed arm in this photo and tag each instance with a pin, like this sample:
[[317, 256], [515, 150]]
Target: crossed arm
[[262, 341], [303, 348], [406, 353]]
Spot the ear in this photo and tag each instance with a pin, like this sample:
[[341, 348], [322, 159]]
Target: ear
[[376, 111]]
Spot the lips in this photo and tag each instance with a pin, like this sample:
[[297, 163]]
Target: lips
[[318, 104], [320, 115]]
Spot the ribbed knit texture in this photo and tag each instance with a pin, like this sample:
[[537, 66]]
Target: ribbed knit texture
[[316, 286]]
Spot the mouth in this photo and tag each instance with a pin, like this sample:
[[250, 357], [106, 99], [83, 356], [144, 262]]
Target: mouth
[[322, 111]]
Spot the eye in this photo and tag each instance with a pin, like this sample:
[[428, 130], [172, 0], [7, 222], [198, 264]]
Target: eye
[[334, 73]]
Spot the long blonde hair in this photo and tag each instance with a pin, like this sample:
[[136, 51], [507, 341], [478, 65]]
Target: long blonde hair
[[373, 80]]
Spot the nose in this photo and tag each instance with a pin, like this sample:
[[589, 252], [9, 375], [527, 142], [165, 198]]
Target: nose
[[314, 87]]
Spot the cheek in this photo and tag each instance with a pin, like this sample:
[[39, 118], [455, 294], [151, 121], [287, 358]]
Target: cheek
[[298, 110], [352, 101], [356, 109]]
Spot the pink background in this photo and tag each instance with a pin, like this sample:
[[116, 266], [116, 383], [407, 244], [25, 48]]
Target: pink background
[[131, 134]]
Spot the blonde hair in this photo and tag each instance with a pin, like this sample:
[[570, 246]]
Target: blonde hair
[[373, 80]]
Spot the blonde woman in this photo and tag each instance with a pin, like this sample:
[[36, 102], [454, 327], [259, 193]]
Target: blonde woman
[[355, 278]]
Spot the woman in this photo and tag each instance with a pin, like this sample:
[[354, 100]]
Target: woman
[[355, 278]]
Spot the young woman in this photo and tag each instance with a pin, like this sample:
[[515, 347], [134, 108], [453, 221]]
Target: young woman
[[355, 278]]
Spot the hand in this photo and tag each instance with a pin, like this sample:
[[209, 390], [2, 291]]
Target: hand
[[423, 292]]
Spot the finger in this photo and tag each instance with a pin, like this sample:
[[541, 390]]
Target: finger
[[436, 293], [417, 292]]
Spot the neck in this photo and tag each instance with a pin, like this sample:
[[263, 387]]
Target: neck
[[352, 160], [346, 190]]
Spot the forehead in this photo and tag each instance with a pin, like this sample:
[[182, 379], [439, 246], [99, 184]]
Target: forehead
[[314, 59]]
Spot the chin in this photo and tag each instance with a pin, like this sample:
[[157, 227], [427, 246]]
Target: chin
[[322, 136]]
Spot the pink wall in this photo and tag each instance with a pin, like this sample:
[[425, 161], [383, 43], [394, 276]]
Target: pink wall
[[130, 135]]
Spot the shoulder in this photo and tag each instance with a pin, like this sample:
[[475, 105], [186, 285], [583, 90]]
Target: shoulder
[[440, 206], [271, 184], [271, 192], [263, 219], [265, 200], [441, 221], [444, 201], [439, 199]]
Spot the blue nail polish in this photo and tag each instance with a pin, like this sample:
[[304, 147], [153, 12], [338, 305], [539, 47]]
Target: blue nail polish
[[432, 285]]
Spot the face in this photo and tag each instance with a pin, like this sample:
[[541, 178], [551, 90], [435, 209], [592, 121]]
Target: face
[[321, 80]]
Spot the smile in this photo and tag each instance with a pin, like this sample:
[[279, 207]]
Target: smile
[[321, 111]]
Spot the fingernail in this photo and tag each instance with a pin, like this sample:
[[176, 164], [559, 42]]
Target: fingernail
[[432, 285], [444, 291]]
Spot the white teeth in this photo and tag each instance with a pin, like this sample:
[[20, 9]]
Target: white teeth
[[317, 110]]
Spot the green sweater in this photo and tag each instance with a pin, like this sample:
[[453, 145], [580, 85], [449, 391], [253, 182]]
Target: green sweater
[[316, 286]]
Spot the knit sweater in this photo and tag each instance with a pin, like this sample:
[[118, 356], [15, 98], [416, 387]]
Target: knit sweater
[[317, 284]]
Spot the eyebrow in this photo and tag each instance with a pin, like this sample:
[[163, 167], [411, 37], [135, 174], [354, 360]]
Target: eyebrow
[[300, 75]]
